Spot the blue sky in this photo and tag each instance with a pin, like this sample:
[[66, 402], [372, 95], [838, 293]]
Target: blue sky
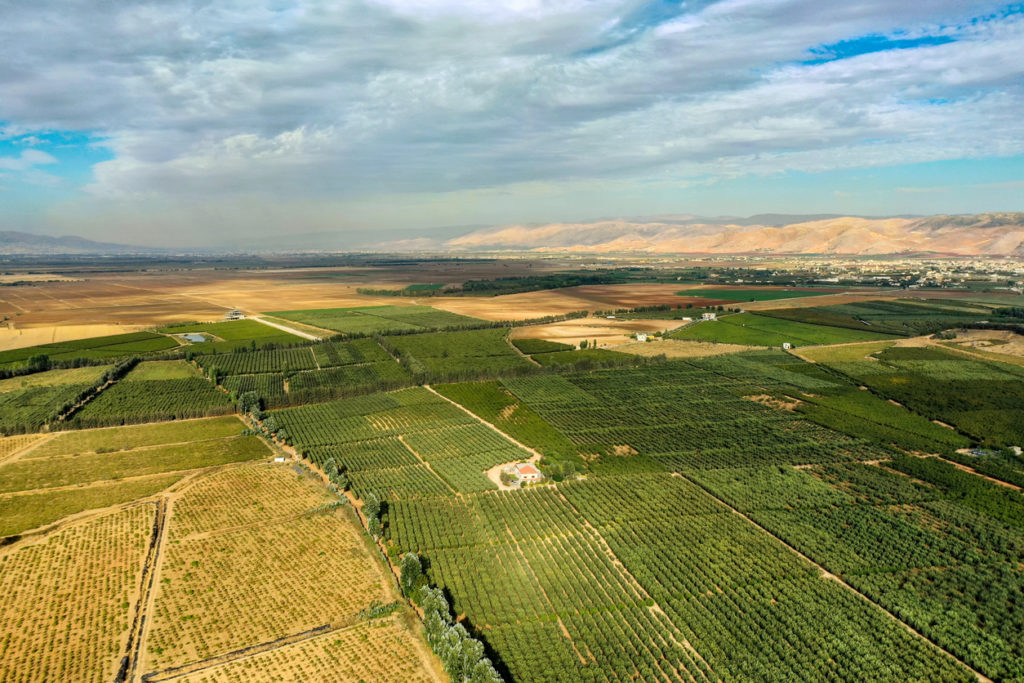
[[190, 123]]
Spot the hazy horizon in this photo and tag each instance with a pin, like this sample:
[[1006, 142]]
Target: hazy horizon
[[190, 125]]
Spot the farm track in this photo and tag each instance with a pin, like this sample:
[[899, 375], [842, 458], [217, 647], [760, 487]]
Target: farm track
[[832, 577], [18, 454], [235, 655], [537, 455], [133, 648], [427, 464], [285, 328], [508, 340]]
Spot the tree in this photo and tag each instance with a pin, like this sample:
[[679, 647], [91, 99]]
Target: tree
[[38, 362], [583, 344], [412, 574]]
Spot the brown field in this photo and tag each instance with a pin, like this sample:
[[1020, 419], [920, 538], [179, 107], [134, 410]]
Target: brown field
[[606, 332], [679, 348], [66, 599], [18, 337], [253, 556], [992, 341], [380, 651], [245, 495], [559, 301], [11, 445]]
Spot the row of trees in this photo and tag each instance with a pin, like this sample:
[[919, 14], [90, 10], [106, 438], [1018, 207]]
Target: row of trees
[[462, 655]]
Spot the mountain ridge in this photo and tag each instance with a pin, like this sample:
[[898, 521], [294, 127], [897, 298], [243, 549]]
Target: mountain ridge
[[986, 234]]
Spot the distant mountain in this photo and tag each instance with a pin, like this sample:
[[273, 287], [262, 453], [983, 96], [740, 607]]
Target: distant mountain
[[24, 243], [987, 234]]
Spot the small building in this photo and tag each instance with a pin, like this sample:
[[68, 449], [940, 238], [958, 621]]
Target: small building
[[641, 336], [233, 314], [786, 346], [708, 316], [527, 472], [279, 459], [610, 317]]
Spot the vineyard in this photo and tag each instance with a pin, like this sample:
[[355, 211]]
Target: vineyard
[[412, 444], [137, 436], [380, 650], [761, 330], [227, 582], [66, 599], [152, 400]]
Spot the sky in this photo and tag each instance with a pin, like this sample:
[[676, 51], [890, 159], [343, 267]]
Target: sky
[[199, 123]]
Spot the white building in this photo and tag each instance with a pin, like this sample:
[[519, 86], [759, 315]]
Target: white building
[[708, 316], [641, 336], [786, 346], [525, 472]]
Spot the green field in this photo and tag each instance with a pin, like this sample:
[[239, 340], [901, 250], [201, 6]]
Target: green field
[[162, 369], [759, 330], [22, 511], [41, 473], [124, 438], [756, 294], [151, 401], [50, 378], [114, 346], [378, 319], [906, 317]]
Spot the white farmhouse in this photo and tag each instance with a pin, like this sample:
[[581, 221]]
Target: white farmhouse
[[641, 336], [708, 316]]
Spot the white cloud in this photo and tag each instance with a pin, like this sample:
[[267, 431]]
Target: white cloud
[[27, 160], [327, 102]]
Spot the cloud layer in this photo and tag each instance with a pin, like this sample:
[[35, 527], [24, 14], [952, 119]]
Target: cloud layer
[[204, 104]]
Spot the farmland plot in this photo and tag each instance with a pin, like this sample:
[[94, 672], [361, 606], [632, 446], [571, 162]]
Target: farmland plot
[[225, 586], [66, 599], [379, 651], [137, 436], [152, 400]]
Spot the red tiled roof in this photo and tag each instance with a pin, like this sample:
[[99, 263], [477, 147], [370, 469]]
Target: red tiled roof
[[527, 469]]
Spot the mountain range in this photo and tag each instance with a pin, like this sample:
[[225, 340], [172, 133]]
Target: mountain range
[[987, 234]]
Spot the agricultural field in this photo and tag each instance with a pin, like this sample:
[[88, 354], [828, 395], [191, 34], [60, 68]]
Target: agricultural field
[[51, 378], [66, 599], [28, 410], [755, 329], [416, 444], [227, 582], [231, 335], [458, 355], [365, 320], [739, 294], [54, 471], [162, 369], [97, 348], [980, 398], [152, 400], [380, 650], [23, 511], [906, 317], [265, 507], [124, 438]]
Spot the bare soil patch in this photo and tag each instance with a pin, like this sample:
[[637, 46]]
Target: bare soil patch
[[606, 332]]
